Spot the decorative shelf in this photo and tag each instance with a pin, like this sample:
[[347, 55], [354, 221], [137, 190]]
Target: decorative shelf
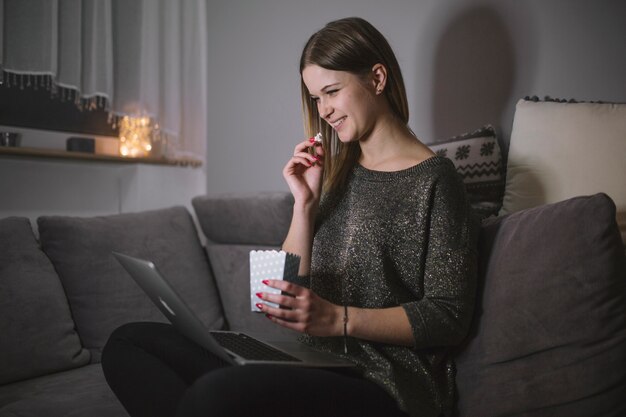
[[59, 154]]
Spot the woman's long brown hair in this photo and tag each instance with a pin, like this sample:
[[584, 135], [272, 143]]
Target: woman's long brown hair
[[353, 45]]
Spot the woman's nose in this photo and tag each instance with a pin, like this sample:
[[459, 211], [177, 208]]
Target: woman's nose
[[325, 109]]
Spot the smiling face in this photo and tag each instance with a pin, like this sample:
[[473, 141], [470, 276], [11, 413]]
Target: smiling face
[[344, 100]]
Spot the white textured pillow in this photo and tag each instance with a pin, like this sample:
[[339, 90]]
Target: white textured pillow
[[560, 150]]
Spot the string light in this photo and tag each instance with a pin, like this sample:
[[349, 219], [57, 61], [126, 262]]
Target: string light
[[135, 136]]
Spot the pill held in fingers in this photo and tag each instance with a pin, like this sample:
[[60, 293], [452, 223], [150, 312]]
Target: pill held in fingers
[[316, 139]]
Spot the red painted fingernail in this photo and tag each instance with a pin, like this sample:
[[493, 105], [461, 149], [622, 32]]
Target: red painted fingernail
[[265, 281], [268, 316], [259, 306], [317, 157], [259, 294], [312, 140]]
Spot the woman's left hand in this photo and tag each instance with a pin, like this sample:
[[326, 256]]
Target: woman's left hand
[[305, 312]]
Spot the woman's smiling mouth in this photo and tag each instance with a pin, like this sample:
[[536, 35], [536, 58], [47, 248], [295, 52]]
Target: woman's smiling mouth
[[337, 122]]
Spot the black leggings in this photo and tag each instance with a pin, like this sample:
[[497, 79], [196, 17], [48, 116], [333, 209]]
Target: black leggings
[[155, 371]]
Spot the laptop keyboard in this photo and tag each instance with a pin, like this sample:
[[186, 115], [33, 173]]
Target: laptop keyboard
[[251, 349]]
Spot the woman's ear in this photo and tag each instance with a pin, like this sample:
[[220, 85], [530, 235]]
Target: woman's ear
[[379, 78]]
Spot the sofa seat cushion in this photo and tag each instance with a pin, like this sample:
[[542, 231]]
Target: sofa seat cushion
[[101, 294], [549, 337], [37, 334], [79, 392]]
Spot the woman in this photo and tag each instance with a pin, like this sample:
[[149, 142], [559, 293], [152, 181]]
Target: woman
[[386, 239]]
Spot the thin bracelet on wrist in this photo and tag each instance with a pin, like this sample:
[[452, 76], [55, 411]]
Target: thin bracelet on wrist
[[345, 329]]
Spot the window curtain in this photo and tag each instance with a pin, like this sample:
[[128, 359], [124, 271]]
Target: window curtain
[[135, 58]]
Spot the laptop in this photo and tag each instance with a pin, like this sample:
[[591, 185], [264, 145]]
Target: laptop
[[233, 347]]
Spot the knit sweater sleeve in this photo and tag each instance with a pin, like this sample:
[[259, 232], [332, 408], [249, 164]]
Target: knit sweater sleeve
[[443, 315]]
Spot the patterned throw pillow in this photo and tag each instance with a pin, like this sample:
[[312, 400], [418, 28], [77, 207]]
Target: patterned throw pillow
[[478, 160]]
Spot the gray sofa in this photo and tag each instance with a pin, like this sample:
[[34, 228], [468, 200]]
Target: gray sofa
[[548, 339]]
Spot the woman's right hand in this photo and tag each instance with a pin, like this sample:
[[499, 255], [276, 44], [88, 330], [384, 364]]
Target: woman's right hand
[[303, 172]]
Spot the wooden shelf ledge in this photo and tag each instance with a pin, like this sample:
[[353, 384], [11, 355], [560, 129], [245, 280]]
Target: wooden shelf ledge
[[59, 154]]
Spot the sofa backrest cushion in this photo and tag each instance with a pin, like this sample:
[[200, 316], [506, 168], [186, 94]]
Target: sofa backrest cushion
[[234, 225], [37, 334], [561, 150], [101, 294], [549, 336], [261, 218]]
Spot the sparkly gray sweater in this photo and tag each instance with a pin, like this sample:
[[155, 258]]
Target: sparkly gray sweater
[[403, 238]]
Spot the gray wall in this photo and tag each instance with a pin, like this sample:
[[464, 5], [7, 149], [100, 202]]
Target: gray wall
[[33, 187], [465, 63]]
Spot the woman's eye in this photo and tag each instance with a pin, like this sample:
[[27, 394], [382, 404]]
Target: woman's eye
[[332, 92]]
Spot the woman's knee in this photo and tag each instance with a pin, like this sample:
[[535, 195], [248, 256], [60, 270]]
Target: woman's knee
[[140, 331], [131, 335]]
